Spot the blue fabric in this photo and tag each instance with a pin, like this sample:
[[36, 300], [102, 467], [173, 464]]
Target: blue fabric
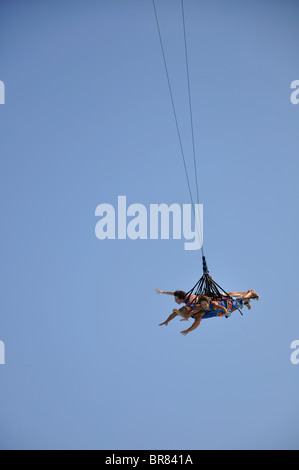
[[229, 305], [232, 304]]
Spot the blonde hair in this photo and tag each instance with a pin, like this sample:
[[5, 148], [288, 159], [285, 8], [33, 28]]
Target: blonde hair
[[203, 298]]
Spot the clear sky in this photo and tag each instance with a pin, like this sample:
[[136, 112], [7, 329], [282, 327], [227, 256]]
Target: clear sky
[[87, 118]]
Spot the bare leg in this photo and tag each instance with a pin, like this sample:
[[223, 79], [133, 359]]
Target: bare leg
[[249, 294], [171, 317]]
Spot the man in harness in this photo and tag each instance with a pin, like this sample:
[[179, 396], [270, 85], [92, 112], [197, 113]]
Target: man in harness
[[188, 310]]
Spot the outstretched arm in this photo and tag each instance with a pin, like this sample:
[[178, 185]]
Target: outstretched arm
[[159, 291], [194, 326]]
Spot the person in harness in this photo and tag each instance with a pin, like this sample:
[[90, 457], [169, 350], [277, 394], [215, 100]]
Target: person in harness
[[200, 307], [211, 308], [191, 308]]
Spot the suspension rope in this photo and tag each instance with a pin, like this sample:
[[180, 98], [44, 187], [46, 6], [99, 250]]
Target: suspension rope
[[191, 112], [206, 284], [176, 121], [190, 101]]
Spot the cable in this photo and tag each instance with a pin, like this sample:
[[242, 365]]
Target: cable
[[176, 120], [190, 109], [190, 102]]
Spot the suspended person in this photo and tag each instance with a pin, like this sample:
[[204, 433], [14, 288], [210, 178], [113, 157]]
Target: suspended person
[[211, 308], [201, 307], [247, 296], [180, 297]]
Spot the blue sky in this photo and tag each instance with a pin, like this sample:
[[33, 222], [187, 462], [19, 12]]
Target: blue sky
[[87, 118]]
